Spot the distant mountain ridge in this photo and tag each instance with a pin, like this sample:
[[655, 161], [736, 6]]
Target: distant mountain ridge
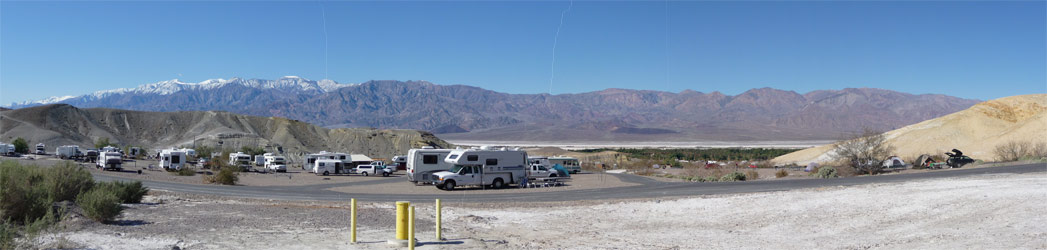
[[466, 112]]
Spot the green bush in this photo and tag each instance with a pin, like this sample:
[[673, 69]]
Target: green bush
[[99, 204], [736, 176], [184, 171], [826, 173], [8, 233], [781, 173], [67, 180], [226, 176], [23, 196], [710, 179], [127, 192], [21, 145]]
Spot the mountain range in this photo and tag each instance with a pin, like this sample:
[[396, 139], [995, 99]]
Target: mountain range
[[472, 113]]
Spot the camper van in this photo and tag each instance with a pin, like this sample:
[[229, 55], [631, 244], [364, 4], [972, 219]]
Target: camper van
[[240, 159], [570, 163], [172, 159], [41, 149], [310, 159], [483, 167], [422, 163], [109, 161], [275, 162], [68, 151], [330, 166]]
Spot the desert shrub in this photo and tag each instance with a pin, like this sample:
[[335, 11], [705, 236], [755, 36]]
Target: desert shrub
[[1020, 150], [8, 233], [65, 181], [228, 175], [184, 171], [826, 173], [781, 173], [736, 176], [752, 175], [21, 145], [863, 152], [99, 204], [127, 192], [711, 179]]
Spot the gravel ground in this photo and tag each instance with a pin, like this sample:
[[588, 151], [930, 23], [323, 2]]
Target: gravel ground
[[979, 212], [577, 182]]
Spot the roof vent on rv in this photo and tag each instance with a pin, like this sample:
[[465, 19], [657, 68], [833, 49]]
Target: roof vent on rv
[[485, 147], [427, 147]]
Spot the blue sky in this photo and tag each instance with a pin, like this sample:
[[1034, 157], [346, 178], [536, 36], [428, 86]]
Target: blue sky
[[981, 50]]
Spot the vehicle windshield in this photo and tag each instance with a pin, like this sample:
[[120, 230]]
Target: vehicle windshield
[[457, 168]]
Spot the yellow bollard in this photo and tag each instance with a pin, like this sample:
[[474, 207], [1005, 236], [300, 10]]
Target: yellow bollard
[[352, 221], [401, 219], [438, 237], [410, 230]]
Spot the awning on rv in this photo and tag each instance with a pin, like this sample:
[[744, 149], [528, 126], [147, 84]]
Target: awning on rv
[[359, 158]]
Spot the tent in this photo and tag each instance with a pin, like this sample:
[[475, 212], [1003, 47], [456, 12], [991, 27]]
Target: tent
[[893, 161], [562, 171]]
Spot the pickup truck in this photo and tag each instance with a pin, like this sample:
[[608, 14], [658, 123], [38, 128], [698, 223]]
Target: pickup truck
[[540, 171], [375, 168], [494, 176]]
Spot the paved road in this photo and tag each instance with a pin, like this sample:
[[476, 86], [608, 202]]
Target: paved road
[[647, 189]]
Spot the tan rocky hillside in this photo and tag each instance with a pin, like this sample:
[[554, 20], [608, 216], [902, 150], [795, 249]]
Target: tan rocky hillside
[[63, 124], [975, 131]]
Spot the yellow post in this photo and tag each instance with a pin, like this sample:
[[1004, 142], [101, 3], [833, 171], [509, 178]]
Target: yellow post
[[352, 221], [410, 230], [401, 219], [438, 237]]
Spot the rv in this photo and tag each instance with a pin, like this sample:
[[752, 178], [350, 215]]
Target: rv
[[275, 162], [240, 159], [570, 163], [422, 163], [483, 167], [135, 151], [109, 161], [6, 149], [259, 160], [40, 149], [67, 151], [172, 159], [330, 166], [310, 159], [400, 162], [91, 155]]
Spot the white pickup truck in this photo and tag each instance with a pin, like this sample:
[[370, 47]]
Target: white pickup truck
[[482, 167], [375, 168]]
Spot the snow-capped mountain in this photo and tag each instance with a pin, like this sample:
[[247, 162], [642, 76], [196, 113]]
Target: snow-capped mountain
[[291, 84]]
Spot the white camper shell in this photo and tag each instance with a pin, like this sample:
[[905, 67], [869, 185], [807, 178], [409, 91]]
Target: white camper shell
[[110, 161], [422, 163], [240, 159], [172, 160], [275, 162], [483, 167]]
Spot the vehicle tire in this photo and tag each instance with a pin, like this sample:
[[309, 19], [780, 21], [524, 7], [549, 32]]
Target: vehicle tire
[[326, 173], [385, 174], [365, 174], [498, 183], [449, 185], [552, 176]]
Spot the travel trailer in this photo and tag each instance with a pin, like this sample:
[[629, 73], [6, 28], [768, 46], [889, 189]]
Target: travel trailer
[[310, 159], [330, 166], [41, 149], [172, 159], [7, 149], [68, 151], [422, 163], [110, 161], [275, 162], [483, 167]]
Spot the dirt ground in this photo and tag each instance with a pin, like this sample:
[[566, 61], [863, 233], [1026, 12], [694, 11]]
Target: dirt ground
[[980, 212], [576, 182]]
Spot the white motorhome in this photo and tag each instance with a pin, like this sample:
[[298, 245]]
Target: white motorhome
[[240, 159], [275, 162], [483, 167], [172, 159], [108, 149], [6, 149], [110, 161], [570, 163], [422, 163], [330, 166], [41, 149], [259, 160], [310, 159], [67, 151]]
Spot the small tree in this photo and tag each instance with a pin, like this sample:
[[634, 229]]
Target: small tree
[[21, 145], [102, 142], [863, 152]]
